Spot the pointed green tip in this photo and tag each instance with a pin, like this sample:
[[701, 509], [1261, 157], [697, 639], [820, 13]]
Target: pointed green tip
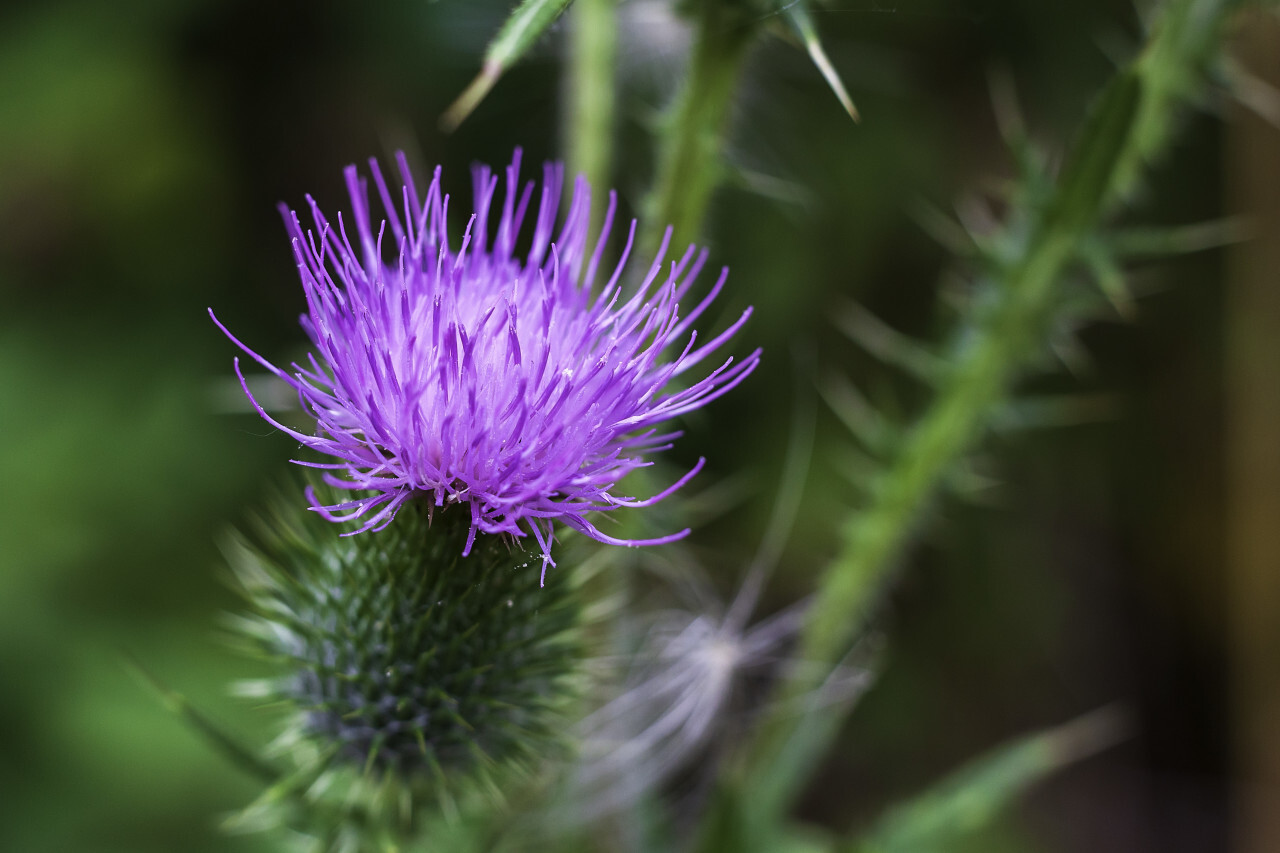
[[801, 22], [1090, 734], [828, 71], [471, 97]]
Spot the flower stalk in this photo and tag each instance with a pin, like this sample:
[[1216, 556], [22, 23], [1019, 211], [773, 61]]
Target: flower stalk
[[689, 156], [591, 88], [1129, 124]]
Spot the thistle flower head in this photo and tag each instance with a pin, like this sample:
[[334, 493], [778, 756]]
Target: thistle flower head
[[514, 384]]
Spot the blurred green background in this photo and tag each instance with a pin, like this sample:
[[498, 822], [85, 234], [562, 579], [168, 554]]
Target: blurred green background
[[143, 148]]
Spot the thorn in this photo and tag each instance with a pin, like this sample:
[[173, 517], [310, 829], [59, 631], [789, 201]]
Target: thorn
[[1180, 239], [798, 16], [1110, 279], [858, 415], [1073, 356], [1092, 733], [1054, 411], [828, 71], [1253, 92], [946, 231], [773, 187], [1004, 104], [888, 344], [976, 489], [471, 97]]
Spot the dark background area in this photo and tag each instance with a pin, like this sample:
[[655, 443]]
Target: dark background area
[[143, 148]]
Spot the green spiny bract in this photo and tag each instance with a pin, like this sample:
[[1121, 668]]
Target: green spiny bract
[[416, 675]]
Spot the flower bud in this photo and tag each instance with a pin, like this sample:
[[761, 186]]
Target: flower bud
[[413, 672]]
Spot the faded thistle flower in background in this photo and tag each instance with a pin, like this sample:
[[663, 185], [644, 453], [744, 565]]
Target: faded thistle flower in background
[[508, 384]]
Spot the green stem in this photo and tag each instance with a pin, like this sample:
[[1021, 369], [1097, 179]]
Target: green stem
[[1129, 124], [689, 159], [873, 540], [591, 85]]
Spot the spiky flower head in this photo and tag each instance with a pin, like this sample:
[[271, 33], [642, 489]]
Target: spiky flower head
[[412, 676], [510, 383]]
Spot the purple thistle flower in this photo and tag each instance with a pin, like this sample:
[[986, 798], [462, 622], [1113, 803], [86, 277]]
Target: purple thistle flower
[[511, 385]]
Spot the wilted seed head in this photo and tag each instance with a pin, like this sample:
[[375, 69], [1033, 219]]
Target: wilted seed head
[[408, 664]]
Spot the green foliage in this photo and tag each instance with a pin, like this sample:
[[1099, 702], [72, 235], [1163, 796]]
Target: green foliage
[[412, 675], [1020, 302], [690, 157], [139, 158], [970, 798], [526, 24], [1087, 181], [1021, 297], [592, 92]]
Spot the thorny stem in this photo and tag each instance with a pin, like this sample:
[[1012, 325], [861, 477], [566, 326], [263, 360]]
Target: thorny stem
[[1131, 123], [689, 157]]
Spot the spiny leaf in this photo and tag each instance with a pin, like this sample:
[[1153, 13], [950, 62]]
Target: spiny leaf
[[522, 29]]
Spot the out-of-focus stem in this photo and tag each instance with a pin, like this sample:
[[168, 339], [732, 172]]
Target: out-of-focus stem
[[590, 115], [689, 156], [1130, 124], [872, 540]]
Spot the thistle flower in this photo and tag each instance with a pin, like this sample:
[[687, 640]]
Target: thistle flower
[[474, 376]]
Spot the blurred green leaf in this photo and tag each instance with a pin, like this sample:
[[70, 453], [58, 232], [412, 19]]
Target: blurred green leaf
[[102, 148], [217, 737], [974, 795], [888, 344], [523, 28], [1177, 239]]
